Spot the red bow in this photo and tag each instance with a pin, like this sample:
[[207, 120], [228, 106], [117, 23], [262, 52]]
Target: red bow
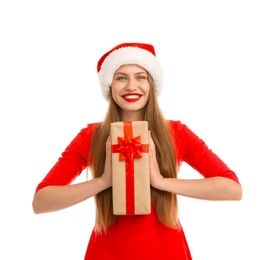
[[129, 148]]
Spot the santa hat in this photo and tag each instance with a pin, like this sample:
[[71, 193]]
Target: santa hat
[[129, 53]]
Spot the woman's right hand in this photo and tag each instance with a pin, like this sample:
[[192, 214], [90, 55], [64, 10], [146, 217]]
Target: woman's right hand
[[107, 175]]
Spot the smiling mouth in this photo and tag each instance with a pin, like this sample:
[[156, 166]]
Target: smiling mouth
[[132, 97]]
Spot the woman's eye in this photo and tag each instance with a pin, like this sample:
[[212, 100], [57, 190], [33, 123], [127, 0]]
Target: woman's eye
[[141, 77], [120, 78]]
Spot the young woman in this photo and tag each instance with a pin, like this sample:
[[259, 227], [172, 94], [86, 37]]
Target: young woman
[[131, 79]]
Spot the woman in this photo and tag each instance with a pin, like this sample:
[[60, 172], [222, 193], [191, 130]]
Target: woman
[[131, 79]]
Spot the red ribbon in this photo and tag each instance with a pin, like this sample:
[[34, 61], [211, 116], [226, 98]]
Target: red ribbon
[[129, 147]]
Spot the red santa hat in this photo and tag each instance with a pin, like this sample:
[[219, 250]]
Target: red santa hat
[[141, 54]]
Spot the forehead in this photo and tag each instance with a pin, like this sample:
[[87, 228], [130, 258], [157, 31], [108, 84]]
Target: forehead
[[130, 68]]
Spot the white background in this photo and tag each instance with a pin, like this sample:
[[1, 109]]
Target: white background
[[217, 62]]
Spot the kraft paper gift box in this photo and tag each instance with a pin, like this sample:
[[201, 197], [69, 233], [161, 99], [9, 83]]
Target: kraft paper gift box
[[130, 168]]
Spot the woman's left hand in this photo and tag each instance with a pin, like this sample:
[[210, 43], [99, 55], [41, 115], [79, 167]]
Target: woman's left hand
[[156, 178]]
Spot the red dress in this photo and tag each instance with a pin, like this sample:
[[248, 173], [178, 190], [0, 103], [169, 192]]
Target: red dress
[[138, 237]]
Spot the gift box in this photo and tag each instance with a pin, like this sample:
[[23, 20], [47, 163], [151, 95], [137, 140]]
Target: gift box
[[130, 168]]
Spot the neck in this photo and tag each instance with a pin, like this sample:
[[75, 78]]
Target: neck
[[131, 116]]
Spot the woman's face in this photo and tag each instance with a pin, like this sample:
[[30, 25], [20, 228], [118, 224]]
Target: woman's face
[[130, 90]]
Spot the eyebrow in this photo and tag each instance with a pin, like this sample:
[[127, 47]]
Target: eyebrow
[[137, 73]]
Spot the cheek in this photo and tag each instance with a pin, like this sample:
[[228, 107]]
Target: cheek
[[147, 90], [113, 90], [115, 93]]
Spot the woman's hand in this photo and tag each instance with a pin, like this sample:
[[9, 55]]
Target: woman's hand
[[156, 178], [107, 175]]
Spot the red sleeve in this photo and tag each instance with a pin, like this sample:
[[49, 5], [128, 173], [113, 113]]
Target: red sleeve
[[72, 161], [192, 150]]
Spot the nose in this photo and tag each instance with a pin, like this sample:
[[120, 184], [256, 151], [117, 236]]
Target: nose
[[131, 85]]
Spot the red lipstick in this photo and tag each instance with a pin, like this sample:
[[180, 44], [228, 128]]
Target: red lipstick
[[132, 97]]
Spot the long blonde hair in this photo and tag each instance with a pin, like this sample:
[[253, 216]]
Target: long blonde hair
[[165, 203]]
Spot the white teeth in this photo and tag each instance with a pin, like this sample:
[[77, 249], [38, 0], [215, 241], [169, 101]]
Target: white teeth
[[131, 96]]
